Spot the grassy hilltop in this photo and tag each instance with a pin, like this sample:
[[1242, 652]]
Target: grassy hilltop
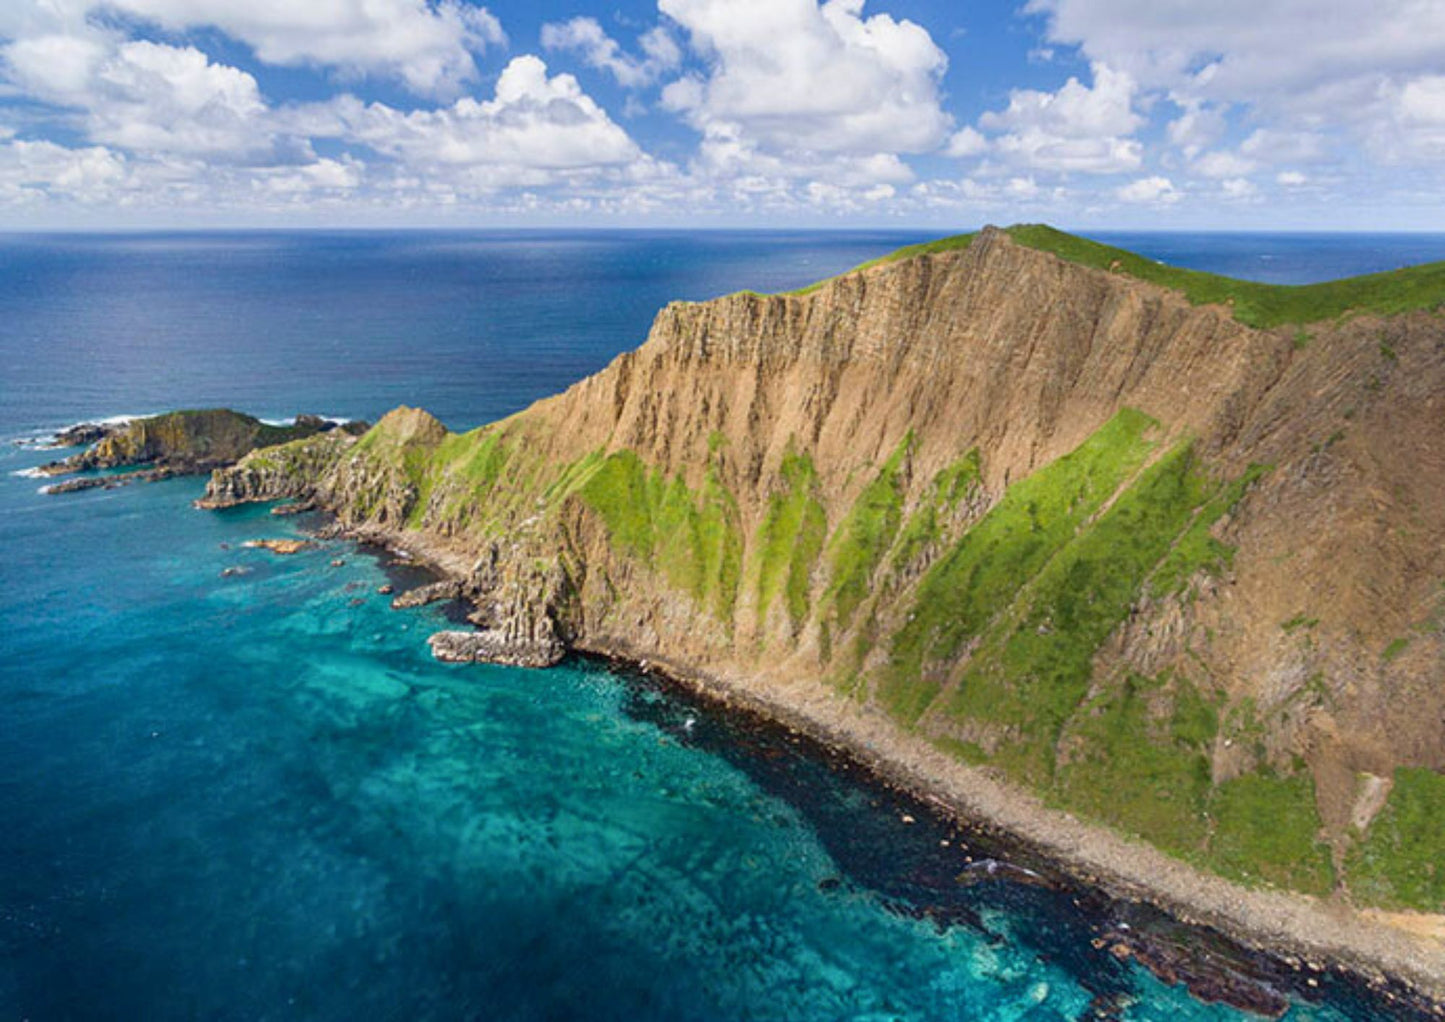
[[1254, 304]]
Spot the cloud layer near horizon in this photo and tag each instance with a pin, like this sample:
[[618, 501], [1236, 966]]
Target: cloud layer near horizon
[[745, 111]]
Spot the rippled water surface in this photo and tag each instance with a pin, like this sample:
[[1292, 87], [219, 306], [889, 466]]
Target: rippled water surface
[[257, 797]]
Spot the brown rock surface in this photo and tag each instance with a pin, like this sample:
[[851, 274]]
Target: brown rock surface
[[279, 546]]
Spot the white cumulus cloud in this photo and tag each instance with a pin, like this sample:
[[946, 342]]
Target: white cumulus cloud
[[426, 46], [168, 124], [1238, 188], [1287, 145], [966, 142], [1327, 67], [145, 96], [1078, 128], [794, 77], [1222, 163], [1411, 125], [660, 52], [33, 171], [535, 127], [1150, 191]]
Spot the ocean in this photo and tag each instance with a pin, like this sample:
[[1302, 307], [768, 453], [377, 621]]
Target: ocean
[[256, 796]]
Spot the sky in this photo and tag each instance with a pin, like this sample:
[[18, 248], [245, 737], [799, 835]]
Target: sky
[[1130, 114]]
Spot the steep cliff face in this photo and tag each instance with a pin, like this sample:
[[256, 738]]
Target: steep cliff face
[[1179, 574]]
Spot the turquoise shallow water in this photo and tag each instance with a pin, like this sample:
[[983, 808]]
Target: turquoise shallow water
[[257, 797]]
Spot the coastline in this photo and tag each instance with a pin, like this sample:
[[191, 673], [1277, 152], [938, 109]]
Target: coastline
[[1385, 952], [1306, 934]]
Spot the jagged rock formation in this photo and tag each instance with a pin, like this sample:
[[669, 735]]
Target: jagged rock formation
[[495, 646], [433, 592], [1179, 574], [176, 443], [284, 470]]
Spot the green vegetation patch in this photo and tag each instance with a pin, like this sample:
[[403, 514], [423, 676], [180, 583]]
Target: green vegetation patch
[[1144, 762], [864, 536], [485, 478], [192, 434], [1033, 670], [485, 481], [693, 539], [790, 538], [1394, 650], [1266, 828], [948, 488], [621, 491], [980, 576], [1256, 305], [476, 459], [301, 461], [1401, 861], [1197, 550]]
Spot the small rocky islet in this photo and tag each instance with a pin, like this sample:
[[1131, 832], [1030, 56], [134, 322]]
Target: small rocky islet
[[157, 447], [1027, 503]]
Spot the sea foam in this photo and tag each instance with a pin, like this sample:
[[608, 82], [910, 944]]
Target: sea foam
[[45, 439], [335, 420]]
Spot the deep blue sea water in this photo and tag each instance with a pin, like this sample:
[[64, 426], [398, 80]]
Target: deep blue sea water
[[257, 797]]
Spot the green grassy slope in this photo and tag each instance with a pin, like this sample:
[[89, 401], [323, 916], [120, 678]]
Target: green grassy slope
[[1005, 628], [1399, 862], [1257, 305]]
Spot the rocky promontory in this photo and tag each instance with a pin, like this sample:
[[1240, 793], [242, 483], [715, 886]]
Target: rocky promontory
[[176, 443]]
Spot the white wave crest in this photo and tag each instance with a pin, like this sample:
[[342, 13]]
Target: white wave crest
[[45, 439], [335, 420]]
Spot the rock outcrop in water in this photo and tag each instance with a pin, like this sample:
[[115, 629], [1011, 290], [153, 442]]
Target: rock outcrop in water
[[1179, 574], [177, 443], [433, 592]]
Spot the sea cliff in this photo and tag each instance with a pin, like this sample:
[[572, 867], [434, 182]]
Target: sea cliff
[[1049, 532]]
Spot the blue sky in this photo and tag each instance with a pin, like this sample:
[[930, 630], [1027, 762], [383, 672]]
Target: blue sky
[[1170, 114]]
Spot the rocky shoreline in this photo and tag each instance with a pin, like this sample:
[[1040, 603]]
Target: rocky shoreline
[[111, 482], [1305, 935], [82, 434], [1244, 947], [164, 446], [1112, 931]]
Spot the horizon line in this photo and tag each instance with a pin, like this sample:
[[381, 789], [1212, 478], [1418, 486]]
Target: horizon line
[[700, 229]]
